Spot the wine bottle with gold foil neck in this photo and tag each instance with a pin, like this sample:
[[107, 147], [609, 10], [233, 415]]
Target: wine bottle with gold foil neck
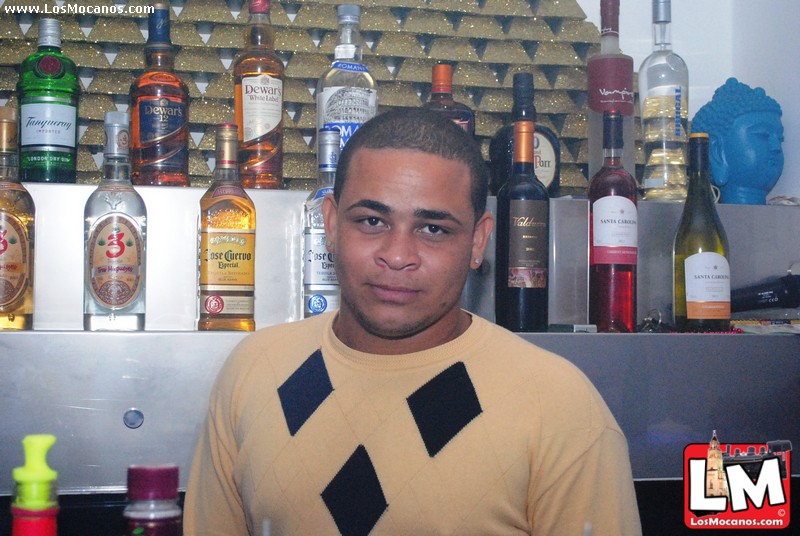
[[701, 272], [227, 231], [17, 214]]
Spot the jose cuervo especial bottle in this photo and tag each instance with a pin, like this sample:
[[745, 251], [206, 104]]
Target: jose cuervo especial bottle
[[613, 237], [258, 102], [48, 91], [701, 272], [159, 112], [227, 244], [346, 94], [17, 214], [115, 226]]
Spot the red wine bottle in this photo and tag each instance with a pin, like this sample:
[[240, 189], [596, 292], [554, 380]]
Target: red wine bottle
[[523, 212], [613, 242]]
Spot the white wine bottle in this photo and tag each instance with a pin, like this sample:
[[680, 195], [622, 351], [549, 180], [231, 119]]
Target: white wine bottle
[[701, 273]]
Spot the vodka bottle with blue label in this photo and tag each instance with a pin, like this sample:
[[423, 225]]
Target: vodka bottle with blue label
[[346, 95], [320, 285]]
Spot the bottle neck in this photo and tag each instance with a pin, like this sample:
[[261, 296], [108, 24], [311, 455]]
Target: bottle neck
[[159, 58], [609, 43], [662, 36], [523, 145], [325, 179], [612, 157], [116, 169], [349, 47], [9, 167], [259, 33]]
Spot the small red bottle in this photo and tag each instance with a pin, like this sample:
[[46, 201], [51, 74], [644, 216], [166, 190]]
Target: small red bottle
[[153, 508]]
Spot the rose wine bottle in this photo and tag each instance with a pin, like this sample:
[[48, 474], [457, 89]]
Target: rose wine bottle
[[610, 76], [613, 240], [702, 276], [441, 100], [523, 213]]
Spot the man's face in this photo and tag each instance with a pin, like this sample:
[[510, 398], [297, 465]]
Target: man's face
[[404, 233], [753, 150]]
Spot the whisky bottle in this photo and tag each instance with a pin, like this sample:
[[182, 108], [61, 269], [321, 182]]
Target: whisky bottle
[[227, 244], [17, 213], [441, 100], [613, 236], [320, 284], [701, 271], [546, 147], [523, 223], [115, 227], [48, 91], [159, 106], [258, 102], [346, 94]]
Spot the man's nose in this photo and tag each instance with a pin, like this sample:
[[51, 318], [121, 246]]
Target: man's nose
[[399, 251]]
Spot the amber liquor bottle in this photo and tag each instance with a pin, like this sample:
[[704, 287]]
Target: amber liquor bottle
[[258, 102], [441, 100], [16, 233], [227, 244], [159, 106]]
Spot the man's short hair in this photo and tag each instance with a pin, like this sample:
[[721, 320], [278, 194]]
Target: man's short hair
[[418, 129]]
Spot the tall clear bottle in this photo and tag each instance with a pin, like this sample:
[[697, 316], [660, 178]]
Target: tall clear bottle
[[610, 77], [48, 91], [347, 96], [320, 284], [441, 100], [701, 272], [546, 147], [664, 97], [523, 212], [613, 237], [227, 242], [115, 232], [159, 106], [17, 215], [258, 77]]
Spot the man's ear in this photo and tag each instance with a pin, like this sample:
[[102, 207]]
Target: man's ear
[[481, 234], [717, 161], [329, 206]]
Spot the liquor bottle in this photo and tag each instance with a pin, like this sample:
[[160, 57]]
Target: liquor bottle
[[664, 94], [48, 91], [546, 147], [152, 508], [701, 273], [17, 214], [320, 284], [159, 106], [610, 77], [258, 102], [613, 236], [523, 212], [346, 94], [34, 504], [227, 244], [441, 99], [115, 231]]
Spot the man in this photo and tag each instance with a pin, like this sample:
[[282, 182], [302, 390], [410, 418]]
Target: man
[[401, 413]]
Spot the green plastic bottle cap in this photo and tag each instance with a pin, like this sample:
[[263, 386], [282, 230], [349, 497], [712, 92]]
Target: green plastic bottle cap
[[35, 481]]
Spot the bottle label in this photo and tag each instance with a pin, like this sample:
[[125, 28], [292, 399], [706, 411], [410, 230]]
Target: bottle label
[[262, 105], [528, 244], [708, 286], [346, 109], [319, 267], [544, 159], [49, 123], [227, 264], [351, 66], [319, 303], [115, 253], [161, 122], [611, 85], [15, 259], [614, 231]]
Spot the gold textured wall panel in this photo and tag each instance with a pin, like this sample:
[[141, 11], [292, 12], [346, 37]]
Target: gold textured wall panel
[[486, 40]]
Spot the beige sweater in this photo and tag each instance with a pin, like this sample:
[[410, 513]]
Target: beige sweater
[[484, 435]]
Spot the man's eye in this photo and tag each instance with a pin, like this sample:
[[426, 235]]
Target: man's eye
[[434, 229]]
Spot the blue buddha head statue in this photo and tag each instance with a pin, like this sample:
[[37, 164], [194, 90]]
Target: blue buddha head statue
[[745, 142]]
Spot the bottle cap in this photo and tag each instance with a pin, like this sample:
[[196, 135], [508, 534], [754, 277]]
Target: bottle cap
[[328, 152], [612, 130], [349, 13], [152, 482], [523, 86], [442, 79], [259, 6], [662, 11], [117, 134], [35, 481], [49, 33], [8, 129], [609, 17], [227, 141], [158, 25]]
